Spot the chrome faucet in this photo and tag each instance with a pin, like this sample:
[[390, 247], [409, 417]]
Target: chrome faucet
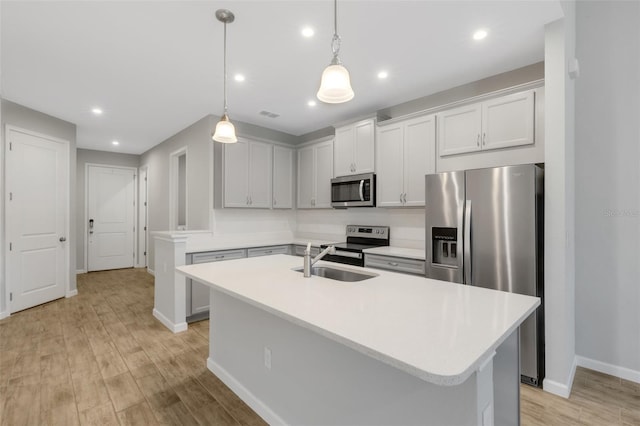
[[308, 262]]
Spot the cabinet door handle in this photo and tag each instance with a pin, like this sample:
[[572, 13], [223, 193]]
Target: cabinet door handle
[[220, 257], [404, 198], [401, 198], [484, 139], [478, 140], [269, 251], [393, 263]]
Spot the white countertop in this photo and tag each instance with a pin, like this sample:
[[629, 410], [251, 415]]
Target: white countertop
[[407, 253], [438, 331]]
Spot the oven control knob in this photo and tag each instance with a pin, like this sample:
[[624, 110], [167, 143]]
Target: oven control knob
[[377, 231]]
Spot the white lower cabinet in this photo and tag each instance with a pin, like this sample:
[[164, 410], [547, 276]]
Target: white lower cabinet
[[405, 154], [268, 251], [298, 250], [397, 264], [198, 294]]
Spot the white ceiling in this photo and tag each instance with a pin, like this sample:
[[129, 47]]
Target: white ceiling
[[155, 67]]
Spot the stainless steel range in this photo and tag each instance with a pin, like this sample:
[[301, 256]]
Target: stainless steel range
[[359, 238]]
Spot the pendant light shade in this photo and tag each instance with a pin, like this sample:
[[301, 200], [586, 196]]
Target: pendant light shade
[[335, 85], [225, 130]]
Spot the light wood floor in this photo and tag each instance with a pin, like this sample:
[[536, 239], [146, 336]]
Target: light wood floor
[[101, 358]]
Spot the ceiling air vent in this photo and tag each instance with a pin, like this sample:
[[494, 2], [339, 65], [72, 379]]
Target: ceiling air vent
[[269, 114]]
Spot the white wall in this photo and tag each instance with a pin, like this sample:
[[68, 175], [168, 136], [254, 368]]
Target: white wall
[[20, 116], [559, 206], [84, 157], [608, 186]]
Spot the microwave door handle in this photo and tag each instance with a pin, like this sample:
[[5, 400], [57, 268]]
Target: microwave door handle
[[361, 189]]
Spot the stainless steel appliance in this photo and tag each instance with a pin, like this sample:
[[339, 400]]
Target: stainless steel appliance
[[359, 238], [485, 228], [354, 191]]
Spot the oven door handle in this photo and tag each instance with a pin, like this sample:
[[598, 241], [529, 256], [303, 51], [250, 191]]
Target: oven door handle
[[361, 189], [348, 254]]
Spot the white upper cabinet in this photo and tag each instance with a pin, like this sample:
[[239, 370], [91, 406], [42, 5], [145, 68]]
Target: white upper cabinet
[[405, 153], [282, 177], [459, 130], [247, 174], [315, 170], [354, 148], [508, 121], [236, 174], [503, 122], [260, 169]]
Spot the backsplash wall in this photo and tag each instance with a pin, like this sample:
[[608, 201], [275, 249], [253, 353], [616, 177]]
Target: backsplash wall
[[407, 224]]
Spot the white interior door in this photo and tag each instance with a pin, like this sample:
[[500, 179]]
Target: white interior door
[[111, 215], [37, 218]]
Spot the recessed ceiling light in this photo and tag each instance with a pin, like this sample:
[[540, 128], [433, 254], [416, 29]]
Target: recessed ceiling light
[[382, 75], [480, 34], [96, 111], [115, 143], [238, 77], [311, 103], [308, 32]]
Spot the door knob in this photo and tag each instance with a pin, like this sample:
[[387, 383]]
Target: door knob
[[63, 239]]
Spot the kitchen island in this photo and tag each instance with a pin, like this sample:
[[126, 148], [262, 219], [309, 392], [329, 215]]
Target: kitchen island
[[393, 349]]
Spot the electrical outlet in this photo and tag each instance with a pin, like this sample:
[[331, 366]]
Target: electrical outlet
[[267, 357]]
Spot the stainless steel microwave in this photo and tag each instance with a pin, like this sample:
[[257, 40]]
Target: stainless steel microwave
[[354, 191]]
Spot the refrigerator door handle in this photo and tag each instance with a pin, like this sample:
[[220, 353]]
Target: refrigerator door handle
[[467, 243]]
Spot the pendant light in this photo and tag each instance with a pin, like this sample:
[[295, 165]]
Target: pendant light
[[225, 131], [335, 86]]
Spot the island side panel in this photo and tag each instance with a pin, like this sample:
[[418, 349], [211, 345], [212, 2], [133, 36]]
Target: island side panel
[[314, 380]]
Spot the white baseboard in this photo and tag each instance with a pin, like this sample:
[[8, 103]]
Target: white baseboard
[[4, 314], [72, 293], [250, 399], [175, 328], [613, 370], [81, 271], [151, 271], [561, 389]]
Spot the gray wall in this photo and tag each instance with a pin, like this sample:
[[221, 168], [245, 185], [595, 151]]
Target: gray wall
[[26, 118], [84, 157], [490, 84], [197, 139], [607, 183]]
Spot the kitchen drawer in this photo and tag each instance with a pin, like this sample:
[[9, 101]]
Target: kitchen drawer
[[397, 264], [217, 256], [299, 250], [268, 251], [197, 294]]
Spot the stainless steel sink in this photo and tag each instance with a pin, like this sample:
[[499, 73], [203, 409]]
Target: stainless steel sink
[[339, 274]]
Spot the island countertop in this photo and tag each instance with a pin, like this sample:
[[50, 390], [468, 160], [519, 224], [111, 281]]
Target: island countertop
[[438, 331]]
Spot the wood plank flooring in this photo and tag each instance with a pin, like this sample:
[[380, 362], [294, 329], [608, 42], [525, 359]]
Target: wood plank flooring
[[100, 358]]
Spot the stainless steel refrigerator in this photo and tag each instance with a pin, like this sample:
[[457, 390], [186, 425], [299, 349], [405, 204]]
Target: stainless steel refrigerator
[[485, 227]]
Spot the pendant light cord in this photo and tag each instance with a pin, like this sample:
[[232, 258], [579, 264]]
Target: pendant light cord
[[335, 41], [225, 68], [335, 17]]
